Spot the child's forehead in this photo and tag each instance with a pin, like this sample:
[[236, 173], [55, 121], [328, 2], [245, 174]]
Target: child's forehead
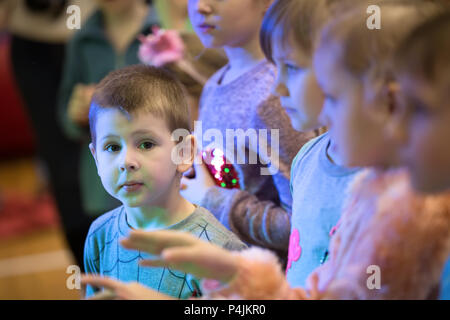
[[122, 122]]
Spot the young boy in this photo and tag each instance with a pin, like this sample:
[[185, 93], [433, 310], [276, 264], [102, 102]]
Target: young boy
[[133, 113], [106, 42]]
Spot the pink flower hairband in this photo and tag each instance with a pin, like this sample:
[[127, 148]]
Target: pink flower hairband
[[166, 46]]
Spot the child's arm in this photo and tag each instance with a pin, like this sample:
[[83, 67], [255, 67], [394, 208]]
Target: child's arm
[[250, 274], [263, 222]]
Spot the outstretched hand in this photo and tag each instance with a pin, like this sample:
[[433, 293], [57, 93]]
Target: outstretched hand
[[184, 252], [117, 290]]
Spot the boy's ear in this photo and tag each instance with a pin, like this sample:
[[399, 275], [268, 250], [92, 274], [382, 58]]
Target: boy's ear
[[187, 152], [91, 147]]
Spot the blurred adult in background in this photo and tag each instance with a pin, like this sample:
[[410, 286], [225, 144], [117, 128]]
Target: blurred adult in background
[[107, 41], [38, 34]]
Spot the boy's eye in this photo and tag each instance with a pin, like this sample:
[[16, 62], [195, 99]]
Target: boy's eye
[[112, 148], [146, 145]]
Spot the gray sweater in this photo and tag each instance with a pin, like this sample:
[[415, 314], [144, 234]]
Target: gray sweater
[[259, 213]]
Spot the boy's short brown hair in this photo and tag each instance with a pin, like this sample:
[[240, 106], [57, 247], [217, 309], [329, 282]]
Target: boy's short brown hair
[[140, 87]]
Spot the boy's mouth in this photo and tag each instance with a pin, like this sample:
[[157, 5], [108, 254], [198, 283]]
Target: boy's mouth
[[132, 186], [204, 27]]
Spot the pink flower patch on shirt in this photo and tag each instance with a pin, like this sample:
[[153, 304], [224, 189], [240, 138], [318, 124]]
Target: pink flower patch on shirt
[[295, 250]]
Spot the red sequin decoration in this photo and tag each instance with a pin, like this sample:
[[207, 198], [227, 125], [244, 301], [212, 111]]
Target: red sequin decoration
[[223, 173]]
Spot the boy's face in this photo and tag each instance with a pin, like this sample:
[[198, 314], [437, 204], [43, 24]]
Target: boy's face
[[232, 23], [425, 123], [356, 132], [296, 85], [133, 158]]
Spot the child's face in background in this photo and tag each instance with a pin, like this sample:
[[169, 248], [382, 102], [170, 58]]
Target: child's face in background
[[357, 134], [296, 85], [232, 23], [425, 131], [133, 157]]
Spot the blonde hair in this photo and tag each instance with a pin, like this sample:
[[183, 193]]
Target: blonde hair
[[365, 53], [299, 19]]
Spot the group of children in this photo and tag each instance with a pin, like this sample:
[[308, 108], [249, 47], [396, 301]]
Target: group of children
[[351, 200]]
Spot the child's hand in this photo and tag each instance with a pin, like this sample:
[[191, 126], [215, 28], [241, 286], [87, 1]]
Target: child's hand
[[184, 252], [79, 103], [117, 290], [194, 189]]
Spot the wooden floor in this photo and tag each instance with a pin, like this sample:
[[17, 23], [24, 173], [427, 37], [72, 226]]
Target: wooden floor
[[32, 265]]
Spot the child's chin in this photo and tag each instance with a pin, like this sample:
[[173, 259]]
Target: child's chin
[[132, 203]]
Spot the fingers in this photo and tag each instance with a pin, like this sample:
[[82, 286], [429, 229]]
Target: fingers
[[100, 282], [104, 295], [156, 241], [109, 286], [155, 263], [183, 259], [314, 285], [180, 255]]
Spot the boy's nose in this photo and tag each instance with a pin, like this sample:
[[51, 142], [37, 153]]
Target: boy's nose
[[129, 167], [129, 162], [204, 6]]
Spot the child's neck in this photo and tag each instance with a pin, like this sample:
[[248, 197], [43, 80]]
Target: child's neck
[[241, 59], [161, 215]]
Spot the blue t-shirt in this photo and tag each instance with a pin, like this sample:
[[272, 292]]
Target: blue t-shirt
[[318, 189], [103, 254]]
